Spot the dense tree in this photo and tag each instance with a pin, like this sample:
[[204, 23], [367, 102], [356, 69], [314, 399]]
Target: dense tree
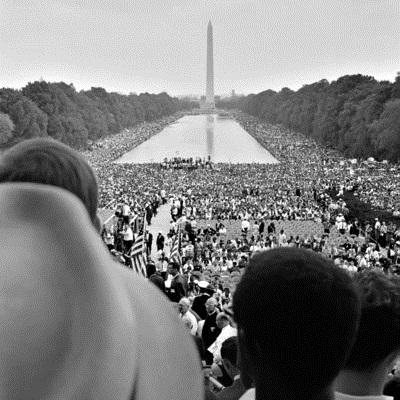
[[58, 110], [59, 102], [386, 131], [28, 119], [6, 128], [355, 114]]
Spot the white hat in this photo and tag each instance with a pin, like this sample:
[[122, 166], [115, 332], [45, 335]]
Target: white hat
[[75, 324]]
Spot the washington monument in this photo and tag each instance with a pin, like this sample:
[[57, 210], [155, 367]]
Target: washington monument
[[210, 68]]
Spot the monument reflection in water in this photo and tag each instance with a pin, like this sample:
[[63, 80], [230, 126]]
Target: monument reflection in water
[[210, 136], [200, 136]]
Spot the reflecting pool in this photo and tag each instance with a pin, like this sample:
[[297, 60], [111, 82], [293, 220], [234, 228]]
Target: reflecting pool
[[223, 139]]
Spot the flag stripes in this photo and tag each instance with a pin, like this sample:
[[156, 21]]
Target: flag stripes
[[137, 257], [175, 255], [136, 253]]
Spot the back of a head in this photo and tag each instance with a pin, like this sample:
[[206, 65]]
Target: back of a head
[[150, 269], [229, 350], [297, 315], [379, 331], [49, 162]]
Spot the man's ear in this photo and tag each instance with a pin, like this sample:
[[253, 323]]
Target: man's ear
[[391, 359], [228, 365]]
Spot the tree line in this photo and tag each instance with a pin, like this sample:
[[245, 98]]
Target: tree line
[[76, 118], [355, 114]]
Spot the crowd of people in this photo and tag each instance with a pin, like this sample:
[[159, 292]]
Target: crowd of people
[[295, 192], [188, 163], [77, 325]]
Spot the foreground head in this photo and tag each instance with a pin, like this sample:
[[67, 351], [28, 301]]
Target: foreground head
[[47, 161], [296, 309], [378, 337]]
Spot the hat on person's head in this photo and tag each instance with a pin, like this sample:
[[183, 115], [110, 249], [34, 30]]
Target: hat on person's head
[[203, 284], [75, 324]]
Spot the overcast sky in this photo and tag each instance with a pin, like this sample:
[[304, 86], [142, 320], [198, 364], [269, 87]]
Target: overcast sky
[[160, 45]]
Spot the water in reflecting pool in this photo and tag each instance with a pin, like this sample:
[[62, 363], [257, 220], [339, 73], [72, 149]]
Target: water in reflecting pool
[[200, 136]]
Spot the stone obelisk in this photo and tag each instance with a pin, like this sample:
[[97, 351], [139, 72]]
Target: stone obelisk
[[210, 68]]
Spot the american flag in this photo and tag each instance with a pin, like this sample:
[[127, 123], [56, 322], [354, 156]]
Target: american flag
[[175, 255], [137, 255]]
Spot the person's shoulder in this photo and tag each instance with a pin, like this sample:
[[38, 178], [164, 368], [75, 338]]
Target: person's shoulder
[[235, 391], [250, 394], [344, 396]]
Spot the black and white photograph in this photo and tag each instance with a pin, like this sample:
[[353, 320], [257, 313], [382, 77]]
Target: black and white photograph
[[199, 200]]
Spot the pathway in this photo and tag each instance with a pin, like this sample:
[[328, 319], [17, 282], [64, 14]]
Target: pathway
[[160, 223]]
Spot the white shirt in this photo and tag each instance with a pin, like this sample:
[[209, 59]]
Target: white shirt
[[245, 224], [193, 320], [126, 210], [226, 332], [249, 394], [343, 396], [128, 234]]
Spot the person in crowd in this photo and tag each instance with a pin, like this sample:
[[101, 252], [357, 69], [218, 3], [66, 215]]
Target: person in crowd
[[210, 330], [199, 301], [155, 276], [261, 228], [177, 288], [294, 308], [127, 233], [160, 241], [377, 346], [126, 213], [149, 213], [230, 360], [226, 331], [245, 226], [109, 239], [149, 242], [185, 313]]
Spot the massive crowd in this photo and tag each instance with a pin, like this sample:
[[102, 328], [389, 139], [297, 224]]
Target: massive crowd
[[276, 309], [294, 195]]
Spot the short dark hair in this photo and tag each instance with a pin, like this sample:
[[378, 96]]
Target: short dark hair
[[49, 162], [379, 331], [229, 350], [174, 265], [150, 269], [294, 307]]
